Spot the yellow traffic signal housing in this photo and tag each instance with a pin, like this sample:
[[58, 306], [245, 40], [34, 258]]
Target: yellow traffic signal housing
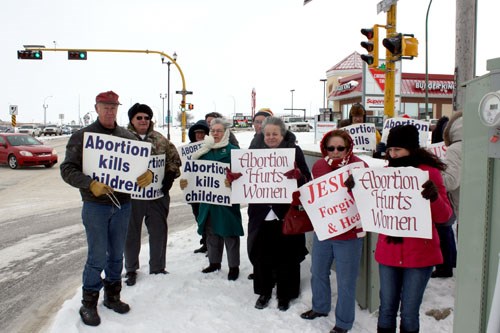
[[371, 46], [410, 47]]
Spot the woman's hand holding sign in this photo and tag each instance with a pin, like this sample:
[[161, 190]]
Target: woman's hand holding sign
[[183, 183], [294, 173], [430, 191], [231, 176]]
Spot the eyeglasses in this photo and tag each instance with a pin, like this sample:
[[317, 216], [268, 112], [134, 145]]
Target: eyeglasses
[[332, 148], [140, 117], [258, 122], [216, 131]]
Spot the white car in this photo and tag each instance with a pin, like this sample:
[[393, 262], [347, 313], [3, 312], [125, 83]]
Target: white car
[[30, 129]]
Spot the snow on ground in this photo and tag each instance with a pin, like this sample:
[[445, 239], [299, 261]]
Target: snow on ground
[[186, 300]]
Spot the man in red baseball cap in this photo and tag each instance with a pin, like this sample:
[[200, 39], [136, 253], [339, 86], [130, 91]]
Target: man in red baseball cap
[[105, 214]]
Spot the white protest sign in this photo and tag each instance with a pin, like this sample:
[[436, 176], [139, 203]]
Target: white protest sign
[[438, 149], [206, 182], [390, 202], [329, 206], [187, 151], [422, 126], [153, 190], [263, 179], [115, 161], [363, 135]]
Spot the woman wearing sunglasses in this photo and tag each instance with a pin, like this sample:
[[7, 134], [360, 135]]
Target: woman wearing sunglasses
[[336, 148]]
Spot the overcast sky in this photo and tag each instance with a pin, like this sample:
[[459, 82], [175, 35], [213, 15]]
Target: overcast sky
[[225, 48]]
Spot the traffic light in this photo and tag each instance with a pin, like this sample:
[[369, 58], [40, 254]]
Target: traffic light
[[371, 46], [77, 55], [29, 54], [394, 45], [402, 46], [190, 106], [410, 47]]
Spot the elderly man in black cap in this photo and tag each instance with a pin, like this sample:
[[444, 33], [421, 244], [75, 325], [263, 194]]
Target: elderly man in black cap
[[154, 210], [105, 215]]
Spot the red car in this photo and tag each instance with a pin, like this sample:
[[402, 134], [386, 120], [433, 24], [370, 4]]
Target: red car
[[19, 150]]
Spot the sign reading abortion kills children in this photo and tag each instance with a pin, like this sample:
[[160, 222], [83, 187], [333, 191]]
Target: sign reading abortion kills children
[[206, 182], [263, 180], [153, 190], [363, 135], [186, 151], [421, 125], [389, 201], [115, 161], [329, 206]]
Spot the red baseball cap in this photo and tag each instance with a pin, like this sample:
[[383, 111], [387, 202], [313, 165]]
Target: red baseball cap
[[108, 97]]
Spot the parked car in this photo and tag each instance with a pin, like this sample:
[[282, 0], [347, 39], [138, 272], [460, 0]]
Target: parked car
[[30, 129], [75, 128], [18, 150], [52, 130], [66, 130], [5, 129]]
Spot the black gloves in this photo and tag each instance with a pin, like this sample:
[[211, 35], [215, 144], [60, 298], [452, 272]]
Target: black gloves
[[430, 191], [394, 240], [168, 180], [349, 183]]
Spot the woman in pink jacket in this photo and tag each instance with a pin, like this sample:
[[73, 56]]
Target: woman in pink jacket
[[406, 264]]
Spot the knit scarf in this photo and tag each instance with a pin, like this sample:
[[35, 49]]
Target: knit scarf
[[209, 144]]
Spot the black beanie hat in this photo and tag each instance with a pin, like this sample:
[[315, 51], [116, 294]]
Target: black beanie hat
[[139, 108], [403, 136]]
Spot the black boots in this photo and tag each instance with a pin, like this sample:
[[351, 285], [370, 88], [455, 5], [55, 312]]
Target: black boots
[[202, 249], [211, 268], [233, 274], [88, 311], [112, 297], [131, 278]]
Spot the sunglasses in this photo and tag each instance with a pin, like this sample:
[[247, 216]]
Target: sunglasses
[[332, 148], [140, 117]]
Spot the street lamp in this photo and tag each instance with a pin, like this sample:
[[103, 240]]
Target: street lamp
[[45, 106], [324, 92], [292, 90], [163, 96], [174, 56]]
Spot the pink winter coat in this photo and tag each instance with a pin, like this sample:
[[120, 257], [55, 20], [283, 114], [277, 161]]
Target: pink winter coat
[[418, 252]]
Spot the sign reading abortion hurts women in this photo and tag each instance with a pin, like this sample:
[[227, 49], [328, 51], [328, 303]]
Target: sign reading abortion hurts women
[[263, 179], [115, 161], [206, 182], [390, 202], [329, 206]]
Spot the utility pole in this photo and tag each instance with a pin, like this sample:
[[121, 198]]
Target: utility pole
[[465, 49], [390, 71]]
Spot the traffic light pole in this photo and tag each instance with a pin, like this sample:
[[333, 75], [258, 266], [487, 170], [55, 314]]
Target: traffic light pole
[[183, 101], [390, 72]]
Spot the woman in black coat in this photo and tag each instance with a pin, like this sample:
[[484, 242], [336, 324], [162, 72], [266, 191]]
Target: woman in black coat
[[276, 257]]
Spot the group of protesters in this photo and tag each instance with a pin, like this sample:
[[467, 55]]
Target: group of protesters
[[113, 220]]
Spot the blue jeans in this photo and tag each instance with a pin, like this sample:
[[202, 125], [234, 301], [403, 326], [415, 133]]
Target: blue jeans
[[347, 255], [405, 286], [106, 229]]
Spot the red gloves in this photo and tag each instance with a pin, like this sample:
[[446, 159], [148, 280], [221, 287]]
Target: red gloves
[[294, 173], [232, 176]]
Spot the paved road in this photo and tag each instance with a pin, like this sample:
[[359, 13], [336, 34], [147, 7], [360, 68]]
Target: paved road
[[42, 243]]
